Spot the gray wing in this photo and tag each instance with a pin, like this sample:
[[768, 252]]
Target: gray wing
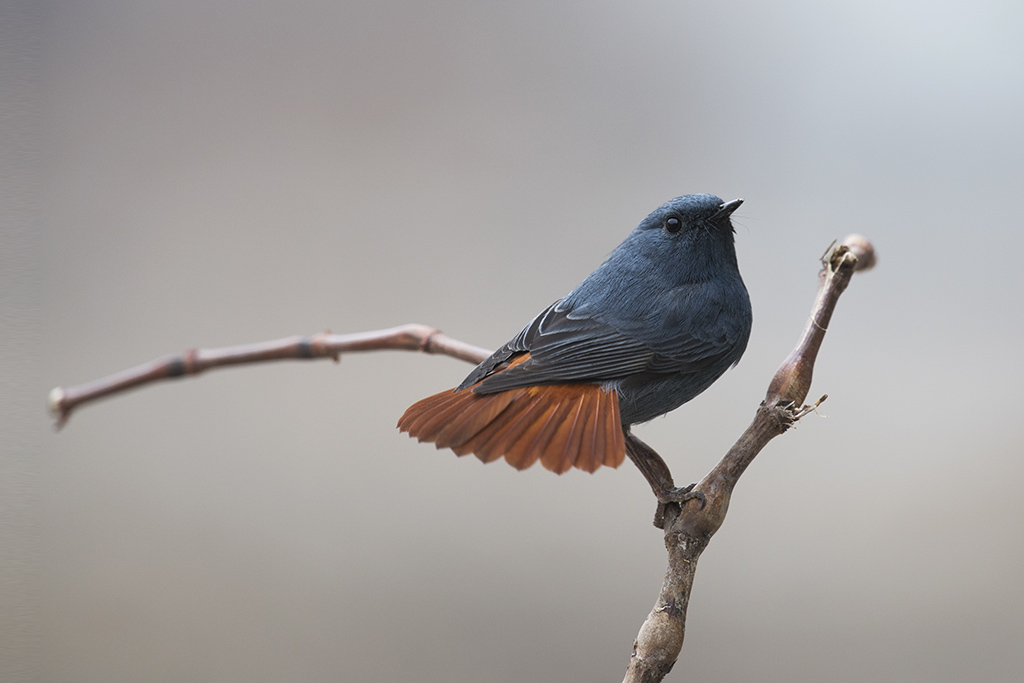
[[568, 346]]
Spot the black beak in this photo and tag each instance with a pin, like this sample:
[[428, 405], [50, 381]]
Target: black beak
[[726, 209]]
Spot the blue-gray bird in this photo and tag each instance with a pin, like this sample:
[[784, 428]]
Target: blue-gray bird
[[655, 325]]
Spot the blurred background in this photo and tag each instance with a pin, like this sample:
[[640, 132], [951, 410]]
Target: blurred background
[[215, 173]]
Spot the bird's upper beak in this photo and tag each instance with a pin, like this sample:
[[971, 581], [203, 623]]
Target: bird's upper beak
[[726, 209]]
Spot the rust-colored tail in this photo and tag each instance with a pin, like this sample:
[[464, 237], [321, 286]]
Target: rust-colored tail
[[562, 425]]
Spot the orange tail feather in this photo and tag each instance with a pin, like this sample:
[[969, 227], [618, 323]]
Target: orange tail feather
[[562, 425]]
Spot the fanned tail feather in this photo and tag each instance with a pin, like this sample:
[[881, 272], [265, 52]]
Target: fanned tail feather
[[562, 425]]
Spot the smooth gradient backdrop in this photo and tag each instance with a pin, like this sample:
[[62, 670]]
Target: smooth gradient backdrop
[[215, 173]]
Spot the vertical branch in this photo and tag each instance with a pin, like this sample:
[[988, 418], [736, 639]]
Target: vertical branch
[[688, 529]]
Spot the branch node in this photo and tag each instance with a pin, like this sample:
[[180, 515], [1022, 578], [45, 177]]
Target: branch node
[[190, 362], [427, 342], [784, 414], [320, 347]]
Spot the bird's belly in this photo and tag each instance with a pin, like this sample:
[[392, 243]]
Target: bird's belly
[[644, 398]]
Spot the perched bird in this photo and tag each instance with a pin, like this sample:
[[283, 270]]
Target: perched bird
[[656, 324]]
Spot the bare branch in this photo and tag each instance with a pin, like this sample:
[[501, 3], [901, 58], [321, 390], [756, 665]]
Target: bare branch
[[412, 337], [689, 529]]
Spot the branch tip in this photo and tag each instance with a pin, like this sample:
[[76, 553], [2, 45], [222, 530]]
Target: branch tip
[[56, 402], [861, 248], [54, 399]]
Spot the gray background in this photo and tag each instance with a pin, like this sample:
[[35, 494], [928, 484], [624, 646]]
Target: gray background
[[215, 173]]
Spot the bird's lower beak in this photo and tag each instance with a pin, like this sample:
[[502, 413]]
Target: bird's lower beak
[[726, 209]]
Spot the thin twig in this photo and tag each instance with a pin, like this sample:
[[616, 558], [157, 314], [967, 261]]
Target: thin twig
[[412, 337]]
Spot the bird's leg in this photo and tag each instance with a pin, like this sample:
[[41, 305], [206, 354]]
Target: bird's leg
[[657, 474]]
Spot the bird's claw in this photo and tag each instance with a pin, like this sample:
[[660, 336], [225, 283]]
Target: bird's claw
[[678, 496], [683, 494]]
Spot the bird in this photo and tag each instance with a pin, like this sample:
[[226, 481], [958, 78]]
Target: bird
[[652, 327]]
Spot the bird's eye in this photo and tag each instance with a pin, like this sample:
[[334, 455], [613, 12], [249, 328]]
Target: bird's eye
[[673, 224]]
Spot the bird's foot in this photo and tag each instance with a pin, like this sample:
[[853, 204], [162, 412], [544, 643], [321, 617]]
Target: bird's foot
[[681, 495], [676, 496]]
